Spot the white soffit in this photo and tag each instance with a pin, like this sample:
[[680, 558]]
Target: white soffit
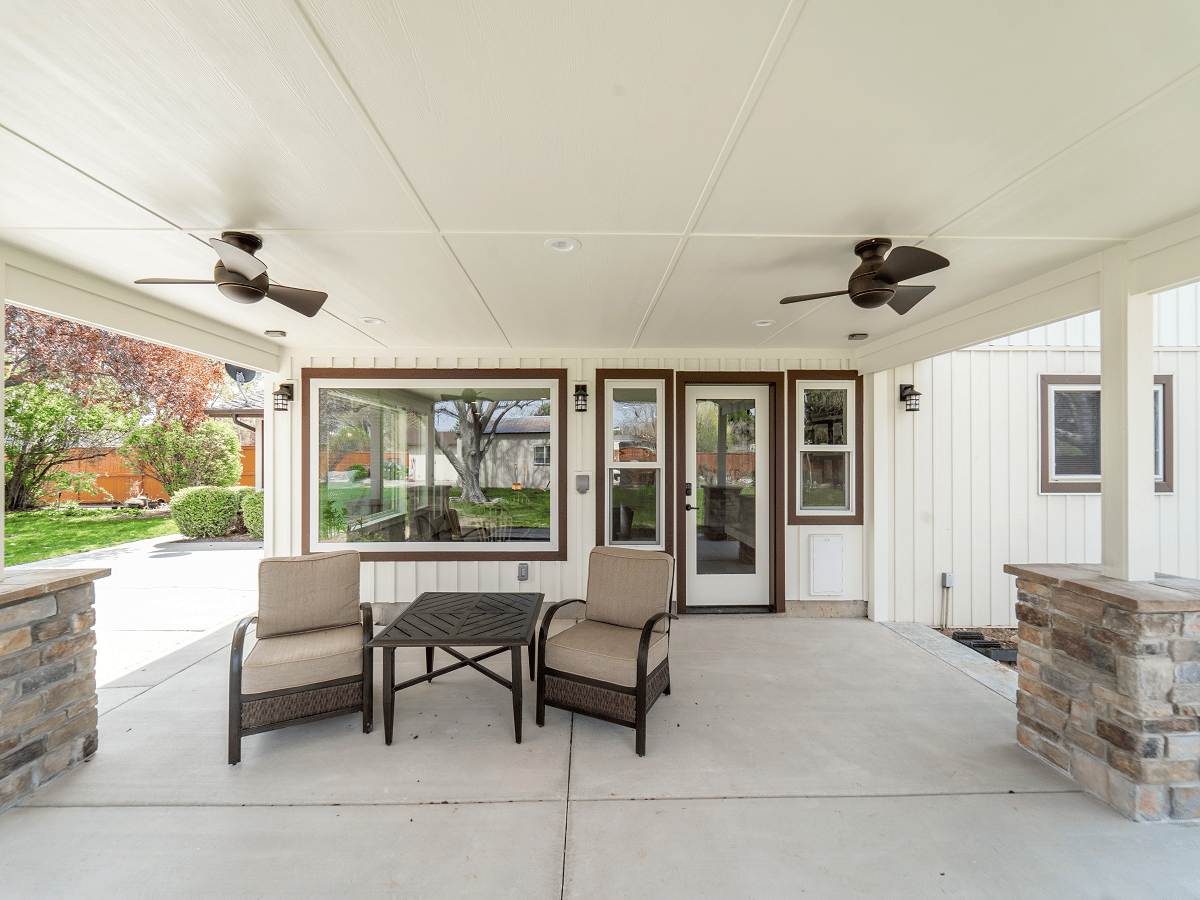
[[545, 298], [409, 280], [547, 117], [895, 122], [211, 117]]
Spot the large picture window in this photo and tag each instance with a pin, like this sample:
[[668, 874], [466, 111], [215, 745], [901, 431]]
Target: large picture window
[[435, 464], [825, 468], [1070, 432]]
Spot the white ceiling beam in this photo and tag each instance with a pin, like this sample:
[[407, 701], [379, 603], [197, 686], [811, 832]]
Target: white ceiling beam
[[60, 290]]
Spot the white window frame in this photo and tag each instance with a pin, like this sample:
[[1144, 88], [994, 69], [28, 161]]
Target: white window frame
[[541, 451], [659, 465], [394, 550], [1051, 483], [847, 447]]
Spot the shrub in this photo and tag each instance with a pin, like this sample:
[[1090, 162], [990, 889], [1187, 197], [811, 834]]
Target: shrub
[[204, 511], [252, 512], [178, 458]]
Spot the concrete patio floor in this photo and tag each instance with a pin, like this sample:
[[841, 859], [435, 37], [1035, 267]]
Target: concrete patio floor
[[795, 757]]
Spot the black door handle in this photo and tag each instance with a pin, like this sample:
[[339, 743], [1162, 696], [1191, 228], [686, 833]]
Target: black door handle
[[689, 506]]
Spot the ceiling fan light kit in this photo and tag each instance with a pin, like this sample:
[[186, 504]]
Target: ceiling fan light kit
[[876, 280], [242, 277]]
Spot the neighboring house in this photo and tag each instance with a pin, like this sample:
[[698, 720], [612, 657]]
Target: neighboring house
[[521, 454]]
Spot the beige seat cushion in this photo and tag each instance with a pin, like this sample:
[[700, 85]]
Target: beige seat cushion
[[603, 652], [294, 660], [626, 587], [304, 593]]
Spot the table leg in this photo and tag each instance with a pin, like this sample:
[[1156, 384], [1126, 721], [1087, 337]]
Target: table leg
[[532, 657], [389, 691], [429, 663], [518, 704]]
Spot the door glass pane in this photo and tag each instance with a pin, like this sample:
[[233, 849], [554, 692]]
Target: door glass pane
[[634, 506], [823, 481], [635, 425], [825, 416], [725, 520]]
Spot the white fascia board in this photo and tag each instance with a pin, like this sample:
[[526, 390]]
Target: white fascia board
[[1165, 258], [60, 290], [1062, 294]]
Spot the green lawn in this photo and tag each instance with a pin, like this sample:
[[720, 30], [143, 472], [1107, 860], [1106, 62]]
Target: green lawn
[[30, 536], [522, 509]]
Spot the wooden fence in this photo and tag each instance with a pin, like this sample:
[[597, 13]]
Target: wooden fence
[[122, 481]]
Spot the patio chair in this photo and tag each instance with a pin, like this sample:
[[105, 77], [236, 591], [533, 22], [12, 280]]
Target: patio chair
[[612, 665], [309, 660]]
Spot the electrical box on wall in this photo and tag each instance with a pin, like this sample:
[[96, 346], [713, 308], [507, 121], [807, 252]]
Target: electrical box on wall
[[827, 564]]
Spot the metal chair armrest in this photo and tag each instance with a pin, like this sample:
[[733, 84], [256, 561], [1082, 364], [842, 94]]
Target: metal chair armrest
[[545, 629], [235, 651], [644, 641]]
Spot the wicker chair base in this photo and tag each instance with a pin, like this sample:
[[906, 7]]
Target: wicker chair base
[[606, 703], [285, 708]]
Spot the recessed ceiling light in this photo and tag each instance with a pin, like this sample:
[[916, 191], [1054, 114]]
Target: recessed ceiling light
[[273, 332], [371, 320], [763, 323], [562, 244], [859, 336]]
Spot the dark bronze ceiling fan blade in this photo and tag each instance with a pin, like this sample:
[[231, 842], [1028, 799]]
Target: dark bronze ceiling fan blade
[[904, 263], [171, 281], [907, 296], [803, 297], [307, 303], [238, 260]]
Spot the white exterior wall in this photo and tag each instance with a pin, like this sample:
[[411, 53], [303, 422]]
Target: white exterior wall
[[388, 581], [966, 468]]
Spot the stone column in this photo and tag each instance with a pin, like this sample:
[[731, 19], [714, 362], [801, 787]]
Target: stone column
[[1109, 685], [47, 676]]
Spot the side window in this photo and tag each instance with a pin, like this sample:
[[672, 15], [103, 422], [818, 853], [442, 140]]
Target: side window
[[825, 471], [1070, 434], [634, 463]]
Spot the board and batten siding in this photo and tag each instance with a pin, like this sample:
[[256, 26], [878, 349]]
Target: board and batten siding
[[966, 468], [558, 580]]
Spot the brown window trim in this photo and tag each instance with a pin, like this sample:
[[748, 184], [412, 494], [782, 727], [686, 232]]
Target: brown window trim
[[665, 422], [559, 464], [1166, 486], [794, 376]]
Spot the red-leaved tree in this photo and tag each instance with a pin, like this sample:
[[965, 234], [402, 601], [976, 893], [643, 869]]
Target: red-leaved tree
[[169, 384]]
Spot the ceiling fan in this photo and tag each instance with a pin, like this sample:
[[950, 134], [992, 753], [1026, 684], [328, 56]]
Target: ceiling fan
[[242, 277], [467, 396], [876, 280]]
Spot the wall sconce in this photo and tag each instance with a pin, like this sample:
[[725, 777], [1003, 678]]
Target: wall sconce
[[581, 396], [283, 397], [911, 397]]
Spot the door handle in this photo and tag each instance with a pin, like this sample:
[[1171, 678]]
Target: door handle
[[689, 506]]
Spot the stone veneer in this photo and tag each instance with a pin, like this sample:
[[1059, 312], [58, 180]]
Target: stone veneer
[[47, 676], [1109, 685]]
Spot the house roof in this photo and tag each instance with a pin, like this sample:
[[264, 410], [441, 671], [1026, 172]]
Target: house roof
[[709, 158]]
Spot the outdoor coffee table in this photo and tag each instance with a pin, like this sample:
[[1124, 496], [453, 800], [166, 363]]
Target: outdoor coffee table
[[502, 620]]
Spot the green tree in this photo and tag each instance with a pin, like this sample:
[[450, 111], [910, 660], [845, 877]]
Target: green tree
[[46, 426], [208, 455]]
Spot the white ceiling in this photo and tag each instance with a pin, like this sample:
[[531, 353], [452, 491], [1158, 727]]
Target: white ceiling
[[411, 158]]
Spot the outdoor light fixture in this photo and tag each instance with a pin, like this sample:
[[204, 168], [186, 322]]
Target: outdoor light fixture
[[857, 336], [283, 397], [581, 398], [911, 397]]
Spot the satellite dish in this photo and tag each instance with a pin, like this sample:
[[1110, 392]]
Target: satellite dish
[[240, 375]]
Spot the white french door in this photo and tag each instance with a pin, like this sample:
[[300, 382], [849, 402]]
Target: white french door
[[726, 520]]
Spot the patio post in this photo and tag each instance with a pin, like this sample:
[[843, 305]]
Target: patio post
[[1128, 550], [878, 438]]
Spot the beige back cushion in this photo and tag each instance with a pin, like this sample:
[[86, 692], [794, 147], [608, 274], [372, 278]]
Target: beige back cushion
[[304, 593], [626, 587]]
